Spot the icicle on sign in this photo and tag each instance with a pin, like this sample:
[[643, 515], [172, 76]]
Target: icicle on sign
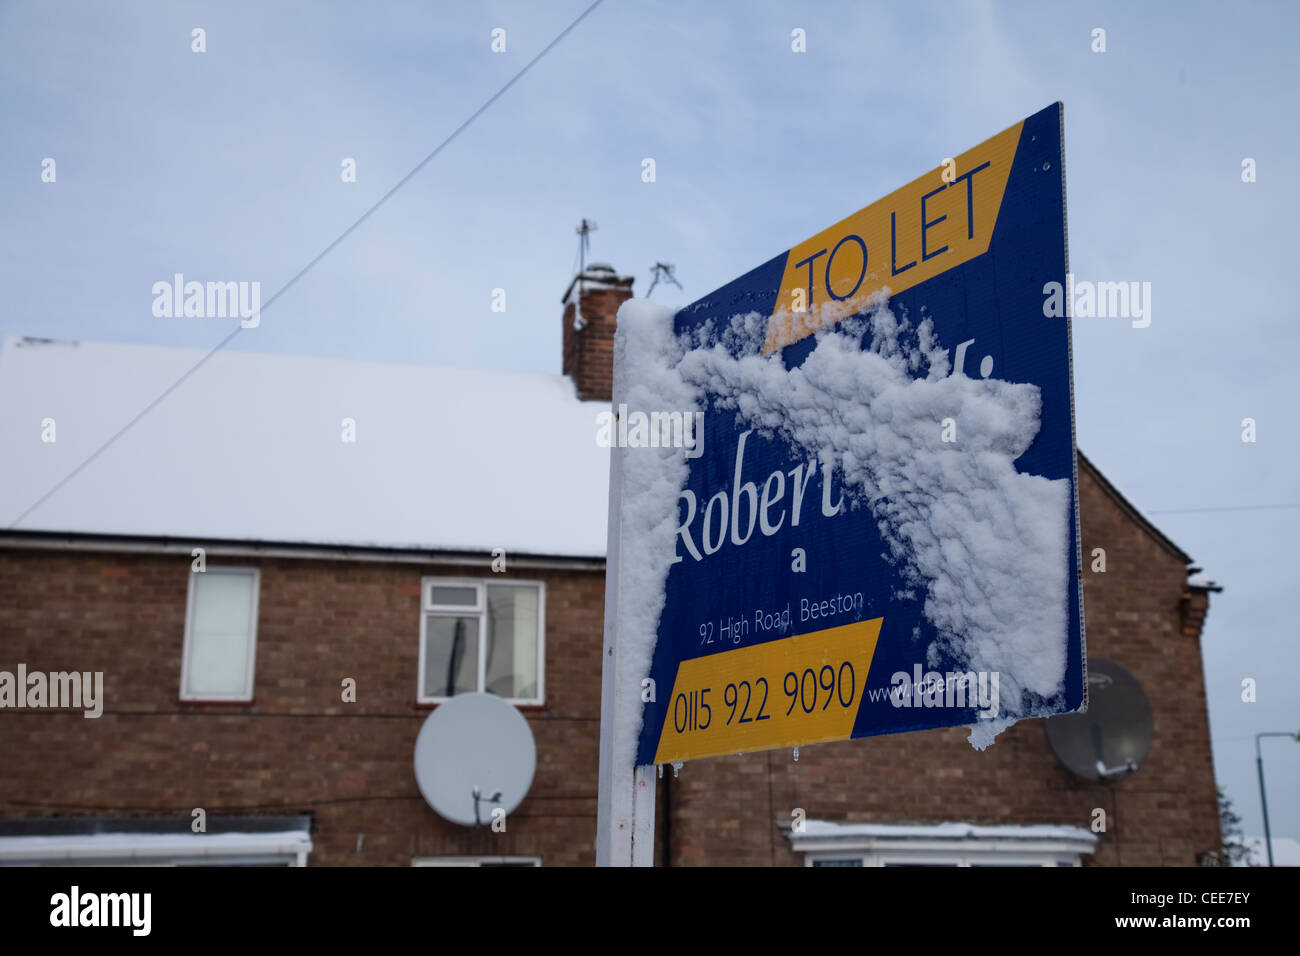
[[882, 533]]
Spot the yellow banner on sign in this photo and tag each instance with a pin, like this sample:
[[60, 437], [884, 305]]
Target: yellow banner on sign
[[799, 690], [931, 225]]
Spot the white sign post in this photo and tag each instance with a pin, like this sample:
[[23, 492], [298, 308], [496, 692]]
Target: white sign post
[[625, 807]]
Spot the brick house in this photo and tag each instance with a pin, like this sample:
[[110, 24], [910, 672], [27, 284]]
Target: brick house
[[330, 560]]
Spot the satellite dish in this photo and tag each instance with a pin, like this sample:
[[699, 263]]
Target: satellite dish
[[475, 754], [1112, 739]]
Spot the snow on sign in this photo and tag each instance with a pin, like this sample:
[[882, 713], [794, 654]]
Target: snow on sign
[[875, 530]]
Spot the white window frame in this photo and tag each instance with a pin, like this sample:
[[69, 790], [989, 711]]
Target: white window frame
[[480, 586], [475, 860], [288, 848], [948, 858], [251, 665], [910, 845]]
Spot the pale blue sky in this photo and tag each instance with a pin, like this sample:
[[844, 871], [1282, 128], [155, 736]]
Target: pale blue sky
[[225, 165]]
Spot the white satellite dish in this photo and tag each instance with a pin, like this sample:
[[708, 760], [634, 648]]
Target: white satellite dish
[[475, 754]]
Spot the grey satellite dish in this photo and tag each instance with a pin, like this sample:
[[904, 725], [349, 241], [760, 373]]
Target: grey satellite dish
[[475, 754], [1112, 739]]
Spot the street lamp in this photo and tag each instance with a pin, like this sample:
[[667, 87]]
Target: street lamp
[[1259, 763]]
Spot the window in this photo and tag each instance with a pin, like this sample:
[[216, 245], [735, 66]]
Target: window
[[220, 635], [826, 843], [482, 636], [85, 841]]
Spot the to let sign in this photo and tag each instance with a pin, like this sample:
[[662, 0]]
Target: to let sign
[[863, 570]]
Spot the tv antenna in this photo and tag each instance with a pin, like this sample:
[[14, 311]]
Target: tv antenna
[[584, 230], [664, 271]]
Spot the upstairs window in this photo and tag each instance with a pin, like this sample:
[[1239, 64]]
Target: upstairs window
[[220, 635], [482, 636]]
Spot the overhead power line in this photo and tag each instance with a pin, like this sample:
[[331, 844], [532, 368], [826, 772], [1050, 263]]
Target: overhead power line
[[308, 267], [1188, 511]]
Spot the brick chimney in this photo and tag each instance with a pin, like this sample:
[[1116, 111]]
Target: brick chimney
[[589, 342]]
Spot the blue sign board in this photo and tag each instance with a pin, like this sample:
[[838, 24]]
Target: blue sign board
[[907, 556]]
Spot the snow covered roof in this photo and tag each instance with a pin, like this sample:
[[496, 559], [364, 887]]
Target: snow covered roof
[[951, 831], [250, 448], [596, 276], [108, 847], [821, 836]]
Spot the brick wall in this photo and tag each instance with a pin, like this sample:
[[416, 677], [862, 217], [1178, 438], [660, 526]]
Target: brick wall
[[298, 748], [724, 811]]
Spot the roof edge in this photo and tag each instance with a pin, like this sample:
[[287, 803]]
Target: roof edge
[[1131, 510], [227, 547]]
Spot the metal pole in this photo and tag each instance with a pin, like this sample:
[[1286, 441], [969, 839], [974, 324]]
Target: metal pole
[[1263, 800]]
